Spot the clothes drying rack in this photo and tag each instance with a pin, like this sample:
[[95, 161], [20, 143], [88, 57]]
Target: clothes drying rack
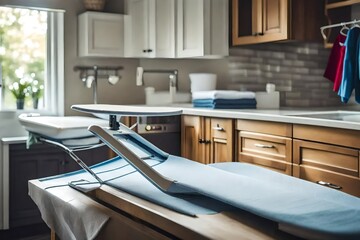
[[343, 24]]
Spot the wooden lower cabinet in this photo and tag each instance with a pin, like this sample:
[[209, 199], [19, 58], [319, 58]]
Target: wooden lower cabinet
[[207, 140], [265, 144]]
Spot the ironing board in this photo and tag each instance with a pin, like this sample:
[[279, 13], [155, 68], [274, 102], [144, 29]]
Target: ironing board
[[305, 209]]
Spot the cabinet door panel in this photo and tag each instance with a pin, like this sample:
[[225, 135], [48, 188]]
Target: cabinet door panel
[[221, 131], [276, 19], [221, 151], [25, 164], [101, 35], [269, 21], [191, 133], [137, 30], [164, 40], [190, 28]]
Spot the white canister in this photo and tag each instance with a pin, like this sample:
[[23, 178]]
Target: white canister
[[270, 87], [202, 82]]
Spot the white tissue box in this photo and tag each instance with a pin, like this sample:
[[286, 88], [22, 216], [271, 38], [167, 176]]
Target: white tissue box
[[267, 100]]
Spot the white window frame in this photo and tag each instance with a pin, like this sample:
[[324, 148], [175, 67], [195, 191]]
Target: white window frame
[[55, 64], [54, 68]]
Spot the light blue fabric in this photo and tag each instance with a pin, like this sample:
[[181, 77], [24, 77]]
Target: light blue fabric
[[274, 196], [309, 207], [350, 77], [119, 174]]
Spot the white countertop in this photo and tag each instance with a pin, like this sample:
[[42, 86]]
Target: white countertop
[[281, 115]]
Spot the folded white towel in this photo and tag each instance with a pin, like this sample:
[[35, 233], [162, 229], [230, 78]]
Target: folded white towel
[[223, 94]]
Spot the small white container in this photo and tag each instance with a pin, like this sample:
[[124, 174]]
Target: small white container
[[267, 100], [202, 82]]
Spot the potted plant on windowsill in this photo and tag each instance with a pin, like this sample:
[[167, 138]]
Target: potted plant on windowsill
[[36, 93], [20, 89]]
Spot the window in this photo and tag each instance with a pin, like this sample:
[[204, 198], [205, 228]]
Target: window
[[31, 55]]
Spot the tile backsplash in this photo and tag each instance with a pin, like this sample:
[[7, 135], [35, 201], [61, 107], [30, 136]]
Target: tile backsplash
[[296, 69]]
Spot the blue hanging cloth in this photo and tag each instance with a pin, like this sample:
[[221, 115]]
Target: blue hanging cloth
[[350, 76]]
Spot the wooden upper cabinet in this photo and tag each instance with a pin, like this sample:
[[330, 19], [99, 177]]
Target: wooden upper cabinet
[[257, 21], [260, 21]]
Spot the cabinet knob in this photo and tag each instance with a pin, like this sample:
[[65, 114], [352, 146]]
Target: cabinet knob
[[147, 50], [263, 146], [330, 185], [204, 141]]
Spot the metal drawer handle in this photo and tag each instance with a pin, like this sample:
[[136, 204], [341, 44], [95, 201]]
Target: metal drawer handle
[[204, 141], [263, 146], [330, 185], [218, 128]]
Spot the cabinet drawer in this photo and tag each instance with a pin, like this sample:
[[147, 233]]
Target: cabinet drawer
[[336, 136], [327, 157], [221, 128], [331, 165], [327, 178], [269, 151], [272, 128]]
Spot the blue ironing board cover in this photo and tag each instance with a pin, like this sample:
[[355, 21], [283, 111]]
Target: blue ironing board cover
[[324, 212]]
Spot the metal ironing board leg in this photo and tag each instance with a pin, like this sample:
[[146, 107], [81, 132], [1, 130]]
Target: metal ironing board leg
[[75, 157]]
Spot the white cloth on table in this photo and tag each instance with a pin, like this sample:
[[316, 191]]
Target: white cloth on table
[[223, 94], [68, 216]]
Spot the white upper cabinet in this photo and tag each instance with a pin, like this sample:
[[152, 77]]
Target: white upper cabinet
[[100, 35], [202, 28], [150, 28]]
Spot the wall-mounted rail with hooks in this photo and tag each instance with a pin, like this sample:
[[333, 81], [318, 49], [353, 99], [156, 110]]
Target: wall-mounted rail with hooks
[[90, 75]]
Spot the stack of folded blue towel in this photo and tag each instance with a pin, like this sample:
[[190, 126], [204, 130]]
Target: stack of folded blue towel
[[224, 99]]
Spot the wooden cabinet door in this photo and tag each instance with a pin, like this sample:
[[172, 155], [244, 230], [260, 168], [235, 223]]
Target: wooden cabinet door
[[207, 140], [222, 131], [191, 133], [275, 20], [259, 21], [329, 165]]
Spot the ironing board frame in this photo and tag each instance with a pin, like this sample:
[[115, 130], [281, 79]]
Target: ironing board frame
[[107, 135]]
